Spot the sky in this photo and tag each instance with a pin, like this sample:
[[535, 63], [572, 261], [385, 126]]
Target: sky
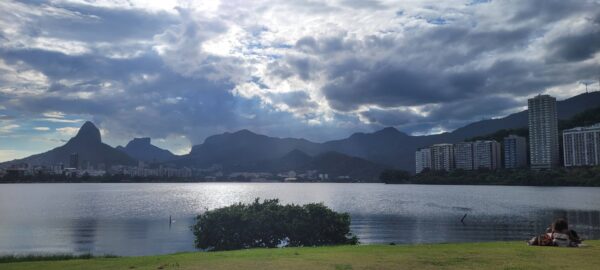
[[179, 71]]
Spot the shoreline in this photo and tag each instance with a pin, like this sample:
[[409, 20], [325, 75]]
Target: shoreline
[[283, 182], [483, 255]]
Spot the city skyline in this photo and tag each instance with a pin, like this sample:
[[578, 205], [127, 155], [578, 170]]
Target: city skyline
[[178, 72], [580, 145]]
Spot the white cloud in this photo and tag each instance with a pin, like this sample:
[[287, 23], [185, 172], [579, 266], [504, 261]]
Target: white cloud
[[67, 131], [8, 128], [41, 128], [59, 120], [54, 114]]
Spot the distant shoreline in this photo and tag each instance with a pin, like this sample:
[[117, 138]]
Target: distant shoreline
[[281, 182]]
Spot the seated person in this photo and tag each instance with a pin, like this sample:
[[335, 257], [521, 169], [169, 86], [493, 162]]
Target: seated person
[[557, 235]]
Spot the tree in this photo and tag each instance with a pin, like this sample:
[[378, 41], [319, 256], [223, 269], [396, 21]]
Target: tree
[[394, 176], [270, 224]]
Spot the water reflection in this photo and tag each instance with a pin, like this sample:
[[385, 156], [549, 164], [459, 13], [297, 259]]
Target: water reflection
[[449, 228], [83, 234], [133, 219]]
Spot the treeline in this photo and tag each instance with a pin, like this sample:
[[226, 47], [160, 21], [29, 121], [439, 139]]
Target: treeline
[[581, 176]]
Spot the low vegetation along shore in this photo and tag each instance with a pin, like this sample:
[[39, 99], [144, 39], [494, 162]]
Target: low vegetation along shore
[[493, 255]]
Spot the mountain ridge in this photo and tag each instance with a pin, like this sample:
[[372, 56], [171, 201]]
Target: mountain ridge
[[240, 149], [387, 146], [87, 144], [142, 149]]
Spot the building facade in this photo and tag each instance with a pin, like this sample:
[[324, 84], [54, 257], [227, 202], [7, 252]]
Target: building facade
[[463, 156], [74, 160], [442, 157], [543, 132], [581, 146], [423, 159], [486, 155], [515, 152]]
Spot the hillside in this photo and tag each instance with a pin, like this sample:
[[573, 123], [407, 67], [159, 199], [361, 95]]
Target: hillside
[[87, 144], [142, 149], [582, 119]]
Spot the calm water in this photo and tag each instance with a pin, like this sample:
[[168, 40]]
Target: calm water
[[133, 219]]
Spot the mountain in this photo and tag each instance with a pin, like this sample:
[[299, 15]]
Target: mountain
[[87, 144], [332, 163], [142, 149], [245, 150], [338, 164], [294, 160], [243, 147], [392, 147]]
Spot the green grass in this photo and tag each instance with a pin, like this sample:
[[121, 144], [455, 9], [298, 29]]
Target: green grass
[[495, 255]]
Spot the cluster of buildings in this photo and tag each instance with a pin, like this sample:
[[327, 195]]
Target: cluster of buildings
[[463, 156], [144, 170], [76, 169], [581, 146]]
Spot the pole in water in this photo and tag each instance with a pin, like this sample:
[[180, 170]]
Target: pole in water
[[462, 220], [170, 221]]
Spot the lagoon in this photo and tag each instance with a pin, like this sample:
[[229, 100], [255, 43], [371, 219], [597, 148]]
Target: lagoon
[[133, 219]]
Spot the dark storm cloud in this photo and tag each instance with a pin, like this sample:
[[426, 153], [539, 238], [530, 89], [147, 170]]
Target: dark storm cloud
[[440, 65], [419, 71], [91, 23], [576, 47], [391, 117], [447, 116], [391, 86], [58, 65], [545, 11], [295, 99]]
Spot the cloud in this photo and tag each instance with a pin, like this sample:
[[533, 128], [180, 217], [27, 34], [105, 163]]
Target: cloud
[[317, 69], [68, 131], [54, 114], [8, 128], [41, 128]]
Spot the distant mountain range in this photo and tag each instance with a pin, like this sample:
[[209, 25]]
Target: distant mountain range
[[141, 149], [388, 146], [363, 154]]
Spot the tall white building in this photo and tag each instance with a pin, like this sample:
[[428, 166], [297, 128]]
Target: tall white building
[[486, 154], [463, 156], [442, 157], [515, 152], [581, 146], [543, 132], [423, 159]]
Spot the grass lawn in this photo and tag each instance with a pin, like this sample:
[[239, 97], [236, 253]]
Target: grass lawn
[[494, 255]]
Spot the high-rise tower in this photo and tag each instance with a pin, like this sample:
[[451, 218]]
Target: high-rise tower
[[543, 132]]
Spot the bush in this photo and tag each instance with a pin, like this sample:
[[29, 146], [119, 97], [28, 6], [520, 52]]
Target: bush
[[394, 176], [270, 224]]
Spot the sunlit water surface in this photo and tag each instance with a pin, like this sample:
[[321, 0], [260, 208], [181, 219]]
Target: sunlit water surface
[[133, 219]]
